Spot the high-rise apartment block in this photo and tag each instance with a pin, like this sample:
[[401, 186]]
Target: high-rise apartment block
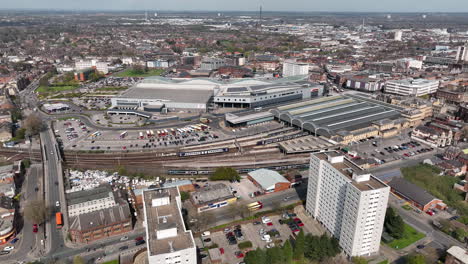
[[349, 202], [168, 241]]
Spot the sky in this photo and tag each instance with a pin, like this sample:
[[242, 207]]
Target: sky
[[245, 5]]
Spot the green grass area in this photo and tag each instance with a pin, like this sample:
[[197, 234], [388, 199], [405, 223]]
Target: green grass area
[[133, 73], [406, 207], [51, 89], [383, 262], [410, 235], [112, 88], [115, 261]]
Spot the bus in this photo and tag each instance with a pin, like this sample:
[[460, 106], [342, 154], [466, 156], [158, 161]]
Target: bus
[[255, 206], [58, 220], [123, 135]]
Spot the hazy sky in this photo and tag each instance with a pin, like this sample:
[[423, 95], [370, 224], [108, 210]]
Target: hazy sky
[[246, 5]]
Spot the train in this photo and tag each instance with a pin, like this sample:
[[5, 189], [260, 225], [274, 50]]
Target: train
[[241, 170], [202, 152]]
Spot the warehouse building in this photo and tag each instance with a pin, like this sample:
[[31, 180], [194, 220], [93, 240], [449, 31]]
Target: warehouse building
[[343, 118], [268, 180], [87, 201], [416, 195], [212, 197]]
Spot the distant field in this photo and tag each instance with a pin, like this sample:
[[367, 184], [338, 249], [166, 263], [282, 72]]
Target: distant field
[[133, 73], [115, 261], [410, 235], [51, 89]]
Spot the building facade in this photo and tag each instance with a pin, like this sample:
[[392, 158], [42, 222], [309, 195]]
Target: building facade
[[292, 68], [88, 201], [351, 204], [168, 241], [410, 87], [462, 53]]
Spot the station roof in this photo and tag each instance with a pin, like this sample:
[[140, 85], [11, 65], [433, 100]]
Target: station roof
[[335, 114]]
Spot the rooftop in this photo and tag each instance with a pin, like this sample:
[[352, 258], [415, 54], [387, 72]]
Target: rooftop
[[267, 178], [165, 227], [100, 192], [459, 253], [411, 191], [351, 170], [101, 218], [328, 116], [211, 194]]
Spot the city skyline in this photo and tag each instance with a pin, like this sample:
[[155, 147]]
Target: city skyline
[[244, 5]]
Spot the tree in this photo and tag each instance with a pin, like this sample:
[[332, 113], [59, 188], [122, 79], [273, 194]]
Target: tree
[[287, 252], [274, 255], [225, 174], [257, 256], [415, 259], [35, 211], [33, 124], [359, 260], [299, 246], [78, 260], [394, 224], [184, 196]]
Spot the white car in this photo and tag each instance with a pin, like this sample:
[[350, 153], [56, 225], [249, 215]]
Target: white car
[[266, 220], [57, 203], [124, 238], [9, 248], [206, 233]]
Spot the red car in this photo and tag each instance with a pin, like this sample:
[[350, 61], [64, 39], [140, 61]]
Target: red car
[[139, 238], [298, 221], [269, 224], [430, 213], [35, 228], [239, 254], [221, 250]]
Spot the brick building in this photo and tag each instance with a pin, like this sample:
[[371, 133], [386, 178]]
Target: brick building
[[95, 225], [269, 181], [415, 195]]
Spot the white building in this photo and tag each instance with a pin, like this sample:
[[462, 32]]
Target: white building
[[168, 241], [411, 87], [83, 202], [292, 68], [462, 53], [351, 204], [100, 66], [398, 35]]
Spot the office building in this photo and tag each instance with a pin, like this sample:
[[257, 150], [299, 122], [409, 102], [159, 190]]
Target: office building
[[211, 64], [398, 35], [462, 53], [83, 202], [349, 202], [292, 68], [168, 241], [411, 87], [100, 66]]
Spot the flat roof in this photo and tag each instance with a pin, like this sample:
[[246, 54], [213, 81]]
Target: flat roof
[[306, 144], [348, 169], [212, 194], [165, 217], [103, 217], [170, 95], [459, 253]]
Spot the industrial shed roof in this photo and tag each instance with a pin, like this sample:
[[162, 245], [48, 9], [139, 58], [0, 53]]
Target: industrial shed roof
[[267, 178]]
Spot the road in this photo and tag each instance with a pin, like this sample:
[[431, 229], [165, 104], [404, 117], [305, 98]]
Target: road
[[28, 240], [53, 174], [423, 224], [225, 215]]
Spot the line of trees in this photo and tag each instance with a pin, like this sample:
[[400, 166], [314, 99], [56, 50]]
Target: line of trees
[[305, 247], [393, 223]]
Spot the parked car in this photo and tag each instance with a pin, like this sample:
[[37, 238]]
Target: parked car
[[140, 242], [35, 228], [8, 248], [14, 240], [206, 233], [123, 248], [298, 221], [239, 254], [124, 238], [429, 212], [207, 240], [139, 238]]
